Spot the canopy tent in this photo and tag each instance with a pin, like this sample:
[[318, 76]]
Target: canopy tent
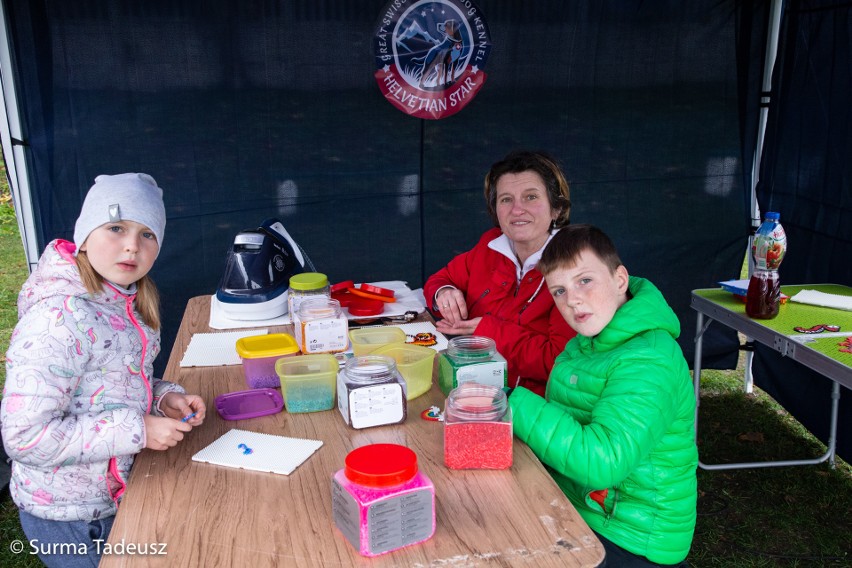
[[249, 110], [806, 175]]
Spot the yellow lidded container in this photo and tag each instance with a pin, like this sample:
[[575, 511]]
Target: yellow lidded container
[[259, 354]]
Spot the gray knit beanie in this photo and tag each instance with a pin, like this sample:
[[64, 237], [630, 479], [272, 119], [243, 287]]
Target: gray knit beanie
[[122, 197]]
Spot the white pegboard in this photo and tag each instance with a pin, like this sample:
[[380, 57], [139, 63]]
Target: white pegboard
[[258, 452], [215, 349]]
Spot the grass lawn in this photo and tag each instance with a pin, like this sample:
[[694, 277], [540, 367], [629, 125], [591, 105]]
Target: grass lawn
[[790, 516]]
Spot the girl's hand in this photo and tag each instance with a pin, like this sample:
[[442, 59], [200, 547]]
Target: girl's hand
[[178, 406], [450, 302], [163, 433], [460, 327]]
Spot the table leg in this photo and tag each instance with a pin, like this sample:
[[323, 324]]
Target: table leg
[[748, 378], [832, 435], [829, 455], [700, 328]]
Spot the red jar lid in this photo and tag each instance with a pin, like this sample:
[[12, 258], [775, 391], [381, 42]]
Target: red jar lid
[[364, 307], [380, 465], [345, 298], [370, 289], [341, 286]]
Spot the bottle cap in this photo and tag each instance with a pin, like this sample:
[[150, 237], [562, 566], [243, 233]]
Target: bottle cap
[[774, 215], [308, 281], [380, 465]]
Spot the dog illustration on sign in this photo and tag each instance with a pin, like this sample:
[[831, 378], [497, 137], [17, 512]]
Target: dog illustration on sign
[[441, 60]]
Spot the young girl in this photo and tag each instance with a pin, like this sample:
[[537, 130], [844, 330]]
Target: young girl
[[80, 400]]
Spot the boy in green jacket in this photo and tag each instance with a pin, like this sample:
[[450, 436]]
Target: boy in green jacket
[[615, 428]]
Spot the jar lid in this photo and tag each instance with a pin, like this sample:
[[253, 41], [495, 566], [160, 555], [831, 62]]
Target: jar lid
[[308, 281], [380, 465], [319, 307], [471, 348], [368, 369], [474, 402]]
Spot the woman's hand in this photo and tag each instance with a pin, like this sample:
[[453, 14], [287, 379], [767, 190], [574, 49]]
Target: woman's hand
[[162, 433], [459, 327], [178, 406], [450, 302]]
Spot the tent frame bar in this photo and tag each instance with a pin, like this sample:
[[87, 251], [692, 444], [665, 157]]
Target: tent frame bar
[[15, 148]]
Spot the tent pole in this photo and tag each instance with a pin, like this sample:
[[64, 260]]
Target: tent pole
[[14, 148], [771, 53]]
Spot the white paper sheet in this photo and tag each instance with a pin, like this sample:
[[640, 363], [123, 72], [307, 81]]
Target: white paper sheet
[[258, 452], [824, 299]]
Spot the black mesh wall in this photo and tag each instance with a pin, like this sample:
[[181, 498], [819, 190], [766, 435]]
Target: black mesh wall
[[806, 175], [252, 109]]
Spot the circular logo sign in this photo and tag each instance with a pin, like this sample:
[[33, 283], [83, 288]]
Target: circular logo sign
[[430, 55]]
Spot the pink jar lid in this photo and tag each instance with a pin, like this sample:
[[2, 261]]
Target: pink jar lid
[[380, 465]]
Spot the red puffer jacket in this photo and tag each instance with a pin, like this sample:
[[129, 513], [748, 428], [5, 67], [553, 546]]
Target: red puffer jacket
[[522, 319]]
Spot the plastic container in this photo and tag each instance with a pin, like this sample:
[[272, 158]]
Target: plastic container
[[306, 285], [764, 288], [380, 500], [415, 364], [371, 392], [308, 382], [471, 358], [365, 340], [321, 327], [259, 354], [242, 405], [477, 428]]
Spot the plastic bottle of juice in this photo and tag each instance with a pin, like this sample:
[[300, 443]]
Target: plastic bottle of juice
[[764, 288]]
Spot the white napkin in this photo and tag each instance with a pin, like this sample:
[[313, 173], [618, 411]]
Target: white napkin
[[258, 452], [824, 299], [215, 349]]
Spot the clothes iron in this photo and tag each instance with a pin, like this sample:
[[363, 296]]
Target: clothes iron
[[257, 273]]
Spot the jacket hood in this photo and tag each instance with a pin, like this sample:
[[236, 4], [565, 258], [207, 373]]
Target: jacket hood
[[55, 275], [647, 310]]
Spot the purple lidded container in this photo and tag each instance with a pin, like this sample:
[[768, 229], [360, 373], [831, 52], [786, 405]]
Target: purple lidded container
[[242, 405]]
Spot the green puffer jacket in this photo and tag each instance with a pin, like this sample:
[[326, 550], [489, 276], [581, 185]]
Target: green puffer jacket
[[618, 416]]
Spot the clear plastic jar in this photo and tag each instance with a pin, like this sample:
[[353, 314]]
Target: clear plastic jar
[[303, 286], [471, 358], [380, 500], [477, 428], [321, 326], [371, 392]]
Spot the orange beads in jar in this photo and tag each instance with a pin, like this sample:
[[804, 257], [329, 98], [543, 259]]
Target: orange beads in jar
[[321, 326]]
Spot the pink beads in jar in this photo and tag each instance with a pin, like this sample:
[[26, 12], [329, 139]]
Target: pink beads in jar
[[381, 501]]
